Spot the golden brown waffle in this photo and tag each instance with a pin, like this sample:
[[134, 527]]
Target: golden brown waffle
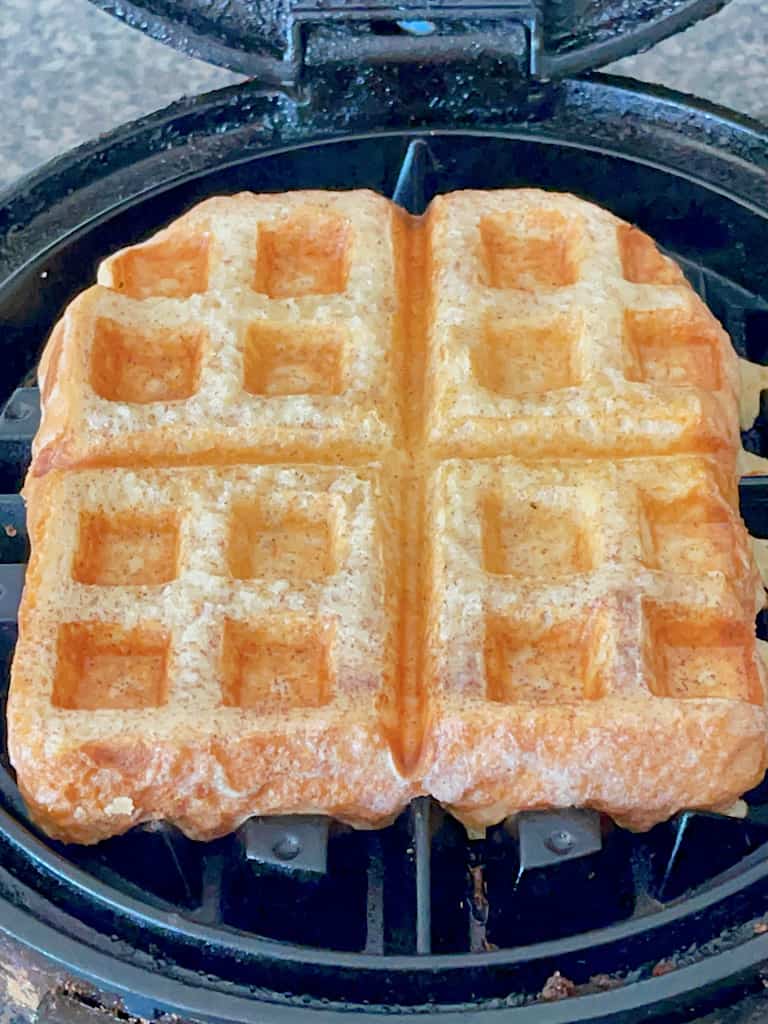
[[489, 548], [254, 328], [200, 642], [591, 639], [560, 331]]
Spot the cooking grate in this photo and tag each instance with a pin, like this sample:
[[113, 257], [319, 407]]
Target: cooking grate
[[565, 891]]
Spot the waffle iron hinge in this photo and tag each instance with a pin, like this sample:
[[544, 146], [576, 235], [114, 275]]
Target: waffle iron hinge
[[445, 32]]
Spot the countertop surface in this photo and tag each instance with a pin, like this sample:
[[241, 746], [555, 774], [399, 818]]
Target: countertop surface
[[68, 72]]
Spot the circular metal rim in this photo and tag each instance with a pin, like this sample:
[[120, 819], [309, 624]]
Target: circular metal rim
[[87, 165], [636, 41], [166, 921], [64, 949], [736, 972]]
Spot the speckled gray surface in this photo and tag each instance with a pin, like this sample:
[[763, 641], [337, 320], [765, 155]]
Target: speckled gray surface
[[69, 71]]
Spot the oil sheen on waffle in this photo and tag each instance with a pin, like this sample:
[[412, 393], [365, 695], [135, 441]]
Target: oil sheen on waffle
[[332, 506]]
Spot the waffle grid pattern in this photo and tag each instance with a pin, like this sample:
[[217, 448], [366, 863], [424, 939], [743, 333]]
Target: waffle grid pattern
[[556, 314], [466, 585], [218, 551], [595, 581], [230, 357]]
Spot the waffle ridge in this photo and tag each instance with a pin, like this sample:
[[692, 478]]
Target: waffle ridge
[[331, 507]]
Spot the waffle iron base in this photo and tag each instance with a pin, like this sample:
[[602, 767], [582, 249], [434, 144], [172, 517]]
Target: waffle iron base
[[675, 920]]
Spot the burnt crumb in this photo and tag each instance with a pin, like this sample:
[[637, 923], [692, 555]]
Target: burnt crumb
[[478, 909], [556, 987], [663, 967], [597, 983], [479, 898], [605, 982], [86, 996], [10, 530]]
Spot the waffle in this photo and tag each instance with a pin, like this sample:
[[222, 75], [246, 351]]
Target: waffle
[[590, 624], [200, 643], [591, 639], [559, 330], [250, 330], [331, 507]]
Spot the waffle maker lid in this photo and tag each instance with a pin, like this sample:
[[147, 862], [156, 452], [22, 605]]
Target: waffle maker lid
[[278, 41]]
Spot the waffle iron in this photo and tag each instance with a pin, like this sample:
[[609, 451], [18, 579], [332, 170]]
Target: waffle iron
[[560, 917]]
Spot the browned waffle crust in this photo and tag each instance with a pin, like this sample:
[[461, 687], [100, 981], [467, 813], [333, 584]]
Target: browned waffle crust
[[331, 506]]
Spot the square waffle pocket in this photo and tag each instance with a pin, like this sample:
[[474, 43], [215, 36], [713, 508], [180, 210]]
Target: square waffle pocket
[[204, 645]]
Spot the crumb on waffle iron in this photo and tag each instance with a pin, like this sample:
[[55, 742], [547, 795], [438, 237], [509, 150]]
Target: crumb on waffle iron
[[331, 506]]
